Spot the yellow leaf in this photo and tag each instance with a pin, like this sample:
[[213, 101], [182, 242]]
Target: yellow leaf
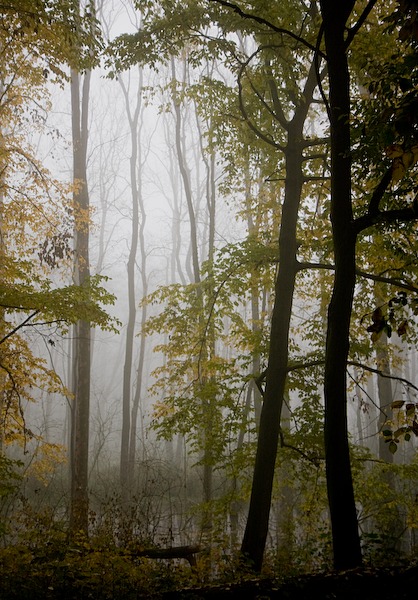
[[407, 159], [394, 151], [398, 169]]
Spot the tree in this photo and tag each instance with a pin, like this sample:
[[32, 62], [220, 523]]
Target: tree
[[346, 542], [80, 410], [275, 100], [279, 121], [130, 409], [36, 213]]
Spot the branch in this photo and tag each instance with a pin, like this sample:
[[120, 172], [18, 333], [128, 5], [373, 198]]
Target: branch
[[25, 322], [269, 24], [389, 280], [381, 373], [305, 365], [278, 110], [379, 191], [308, 143], [375, 216], [318, 74], [352, 363], [409, 213], [242, 108], [354, 30], [316, 460]]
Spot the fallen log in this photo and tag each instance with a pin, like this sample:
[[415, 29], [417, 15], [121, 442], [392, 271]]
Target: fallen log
[[186, 552]]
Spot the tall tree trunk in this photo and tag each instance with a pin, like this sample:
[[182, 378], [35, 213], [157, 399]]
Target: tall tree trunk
[[345, 536], [139, 384], [207, 403], [255, 535], [385, 398], [2, 258], [82, 336], [256, 530], [133, 120], [187, 186]]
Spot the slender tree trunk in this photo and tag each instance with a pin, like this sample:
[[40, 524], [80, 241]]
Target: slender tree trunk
[[133, 120], [139, 385], [345, 536], [82, 334], [207, 404], [256, 530], [2, 259], [254, 230], [395, 528], [255, 535], [187, 186], [385, 398]]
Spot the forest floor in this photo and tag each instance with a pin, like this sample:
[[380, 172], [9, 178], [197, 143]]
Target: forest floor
[[361, 584], [102, 576]]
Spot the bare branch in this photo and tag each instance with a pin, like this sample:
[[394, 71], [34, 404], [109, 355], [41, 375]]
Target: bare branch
[[381, 278], [353, 363], [381, 373], [13, 331]]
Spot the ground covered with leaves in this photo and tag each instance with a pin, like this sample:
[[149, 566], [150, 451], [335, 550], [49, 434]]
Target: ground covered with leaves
[[358, 585], [100, 575]]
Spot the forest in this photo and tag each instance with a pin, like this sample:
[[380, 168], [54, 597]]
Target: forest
[[208, 299]]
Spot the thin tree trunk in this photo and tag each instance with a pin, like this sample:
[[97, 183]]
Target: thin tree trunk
[[82, 334], [2, 259], [255, 535], [185, 175], [206, 403], [133, 119], [256, 530], [142, 345]]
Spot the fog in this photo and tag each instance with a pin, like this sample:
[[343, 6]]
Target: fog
[[187, 185]]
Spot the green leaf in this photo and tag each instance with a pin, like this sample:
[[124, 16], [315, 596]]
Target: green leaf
[[393, 447]]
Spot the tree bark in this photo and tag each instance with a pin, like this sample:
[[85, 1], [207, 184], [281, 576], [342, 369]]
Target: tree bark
[[255, 535], [82, 333], [256, 530], [133, 120], [208, 404], [345, 536]]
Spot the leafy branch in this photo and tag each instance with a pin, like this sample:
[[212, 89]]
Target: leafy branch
[[262, 21]]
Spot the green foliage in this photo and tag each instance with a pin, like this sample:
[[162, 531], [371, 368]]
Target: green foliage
[[403, 423], [39, 40], [64, 305], [83, 570], [393, 315], [52, 31], [194, 373], [10, 478]]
